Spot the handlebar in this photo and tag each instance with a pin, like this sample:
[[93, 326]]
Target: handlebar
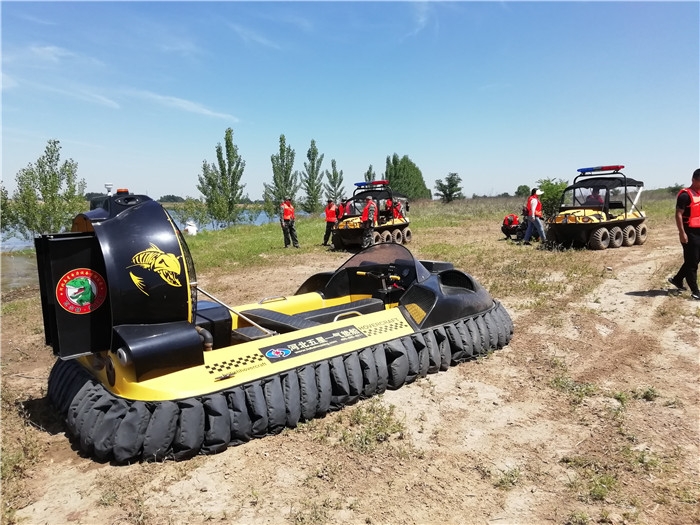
[[379, 275]]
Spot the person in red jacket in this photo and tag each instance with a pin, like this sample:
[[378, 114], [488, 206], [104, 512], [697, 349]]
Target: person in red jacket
[[341, 210], [287, 223], [331, 211], [368, 218], [510, 225], [688, 224], [534, 216]]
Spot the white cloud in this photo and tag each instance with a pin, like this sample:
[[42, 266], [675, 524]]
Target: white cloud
[[183, 105], [51, 53], [248, 36]]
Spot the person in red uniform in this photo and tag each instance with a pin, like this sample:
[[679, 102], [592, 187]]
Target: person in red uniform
[[331, 211], [398, 210], [594, 198], [510, 225], [688, 224], [534, 216], [368, 218], [287, 223], [341, 210]]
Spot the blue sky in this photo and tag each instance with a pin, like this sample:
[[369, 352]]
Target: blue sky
[[502, 93]]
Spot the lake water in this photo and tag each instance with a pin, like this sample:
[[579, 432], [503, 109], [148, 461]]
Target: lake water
[[17, 270]]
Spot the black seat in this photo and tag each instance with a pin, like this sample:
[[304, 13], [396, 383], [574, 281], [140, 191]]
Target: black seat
[[328, 314], [279, 322]]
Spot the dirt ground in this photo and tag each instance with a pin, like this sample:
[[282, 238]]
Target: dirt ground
[[589, 415]]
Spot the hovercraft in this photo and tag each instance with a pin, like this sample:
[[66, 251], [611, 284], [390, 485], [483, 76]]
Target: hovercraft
[[153, 367]]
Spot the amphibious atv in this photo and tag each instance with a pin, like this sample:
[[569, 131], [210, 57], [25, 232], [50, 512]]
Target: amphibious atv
[[151, 366], [600, 209], [392, 223]]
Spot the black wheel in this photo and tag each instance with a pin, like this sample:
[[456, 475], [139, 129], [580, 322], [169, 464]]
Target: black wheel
[[376, 238], [641, 234], [386, 236], [397, 235], [407, 235], [616, 237], [629, 235], [600, 239], [337, 242]]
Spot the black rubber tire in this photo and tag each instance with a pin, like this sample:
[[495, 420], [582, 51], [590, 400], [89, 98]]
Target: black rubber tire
[[129, 437], [241, 424], [160, 433], [376, 238], [217, 426], [397, 362], [413, 362], [629, 235], [642, 232], [616, 237], [397, 236], [467, 342], [257, 408], [492, 328], [421, 347], [337, 242], [308, 393], [443, 347], [370, 378], [407, 235], [600, 239], [477, 345], [387, 237], [324, 387], [276, 407], [292, 397], [189, 434]]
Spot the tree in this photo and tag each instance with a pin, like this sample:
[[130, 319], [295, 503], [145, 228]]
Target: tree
[[94, 195], [405, 177], [194, 210], [334, 188], [312, 180], [171, 198], [48, 196], [551, 196], [523, 191], [221, 183], [370, 175], [675, 189], [450, 189], [285, 183]]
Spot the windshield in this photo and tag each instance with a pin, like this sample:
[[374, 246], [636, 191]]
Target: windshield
[[386, 254]]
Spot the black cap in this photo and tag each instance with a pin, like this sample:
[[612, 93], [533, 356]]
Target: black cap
[[286, 198]]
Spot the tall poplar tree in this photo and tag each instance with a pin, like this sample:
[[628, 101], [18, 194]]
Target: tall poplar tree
[[312, 180], [405, 177], [285, 183], [369, 174], [220, 183], [334, 189]]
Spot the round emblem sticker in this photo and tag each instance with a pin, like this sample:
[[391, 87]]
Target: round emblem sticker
[[81, 291], [277, 353]]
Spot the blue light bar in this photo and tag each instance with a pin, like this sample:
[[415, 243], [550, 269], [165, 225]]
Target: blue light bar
[[616, 167]]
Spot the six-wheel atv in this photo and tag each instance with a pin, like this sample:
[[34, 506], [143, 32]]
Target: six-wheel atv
[[392, 219], [152, 367], [600, 209]]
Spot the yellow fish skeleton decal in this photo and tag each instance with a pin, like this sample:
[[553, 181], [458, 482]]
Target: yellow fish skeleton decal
[[166, 265]]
